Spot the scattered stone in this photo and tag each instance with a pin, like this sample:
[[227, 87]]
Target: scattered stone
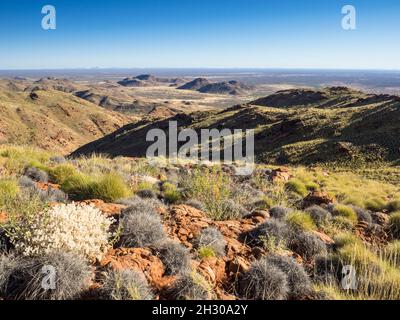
[[280, 174], [139, 259], [3, 217], [325, 238], [318, 198], [109, 209]]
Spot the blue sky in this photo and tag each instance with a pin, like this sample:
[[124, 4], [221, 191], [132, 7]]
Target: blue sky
[[194, 33]]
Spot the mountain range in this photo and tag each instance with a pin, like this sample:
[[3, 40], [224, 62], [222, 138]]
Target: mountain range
[[300, 126]]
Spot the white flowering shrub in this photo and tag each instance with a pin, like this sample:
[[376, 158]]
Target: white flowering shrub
[[76, 228]]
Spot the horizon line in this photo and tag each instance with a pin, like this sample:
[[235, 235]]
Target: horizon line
[[200, 68]]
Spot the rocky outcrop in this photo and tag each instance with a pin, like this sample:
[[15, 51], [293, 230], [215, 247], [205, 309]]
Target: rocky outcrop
[[318, 198]]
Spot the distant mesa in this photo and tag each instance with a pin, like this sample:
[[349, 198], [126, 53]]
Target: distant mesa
[[203, 85], [146, 77], [52, 83], [231, 87], [99, 99], [144, 80], [196, 84], [133, 82]]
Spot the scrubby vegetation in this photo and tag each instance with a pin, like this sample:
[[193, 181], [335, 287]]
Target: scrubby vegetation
[[211, 239], [283, 238], [73, 228], [125, 285], [319, 215], [174, 256], [264, 281], [22, 277], [141, 225], [190, 286], [298, 280]]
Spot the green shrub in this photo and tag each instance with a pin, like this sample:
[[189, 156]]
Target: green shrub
[[61, 173], [8, 190], [392, 253], [393, 205], [312, 186], [297, 186], [18, 158], [376, 278], [342, 223], [77, 186], [171, 192], [375, 204], [345, 211], [264, 203], [344, 239], [206, 252], [109, 187], [212, 188], [300, 220], [38, 165], [144, 185]]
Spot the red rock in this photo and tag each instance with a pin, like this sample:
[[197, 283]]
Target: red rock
[[136, 259], [213, 270], [318, 198], [325, 238], [3, 217], [47, 186], [261, 213], [280, 174], [238, 265], [109, 209]]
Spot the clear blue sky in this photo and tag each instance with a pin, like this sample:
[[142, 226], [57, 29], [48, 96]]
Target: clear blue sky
[[200, 33]]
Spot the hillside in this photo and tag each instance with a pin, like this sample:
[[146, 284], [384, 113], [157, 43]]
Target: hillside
[[203, 85], [145, 80], [232, 87], [333, 97], [333, 125], [183, 231], [195, 84], [52, 119]]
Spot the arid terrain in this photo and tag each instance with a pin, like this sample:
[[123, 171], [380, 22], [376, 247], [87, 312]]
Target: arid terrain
[[318, 218]]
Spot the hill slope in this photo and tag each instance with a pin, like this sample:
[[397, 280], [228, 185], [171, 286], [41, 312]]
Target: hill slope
[[357, 127], [203, 85], [53, 120]]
